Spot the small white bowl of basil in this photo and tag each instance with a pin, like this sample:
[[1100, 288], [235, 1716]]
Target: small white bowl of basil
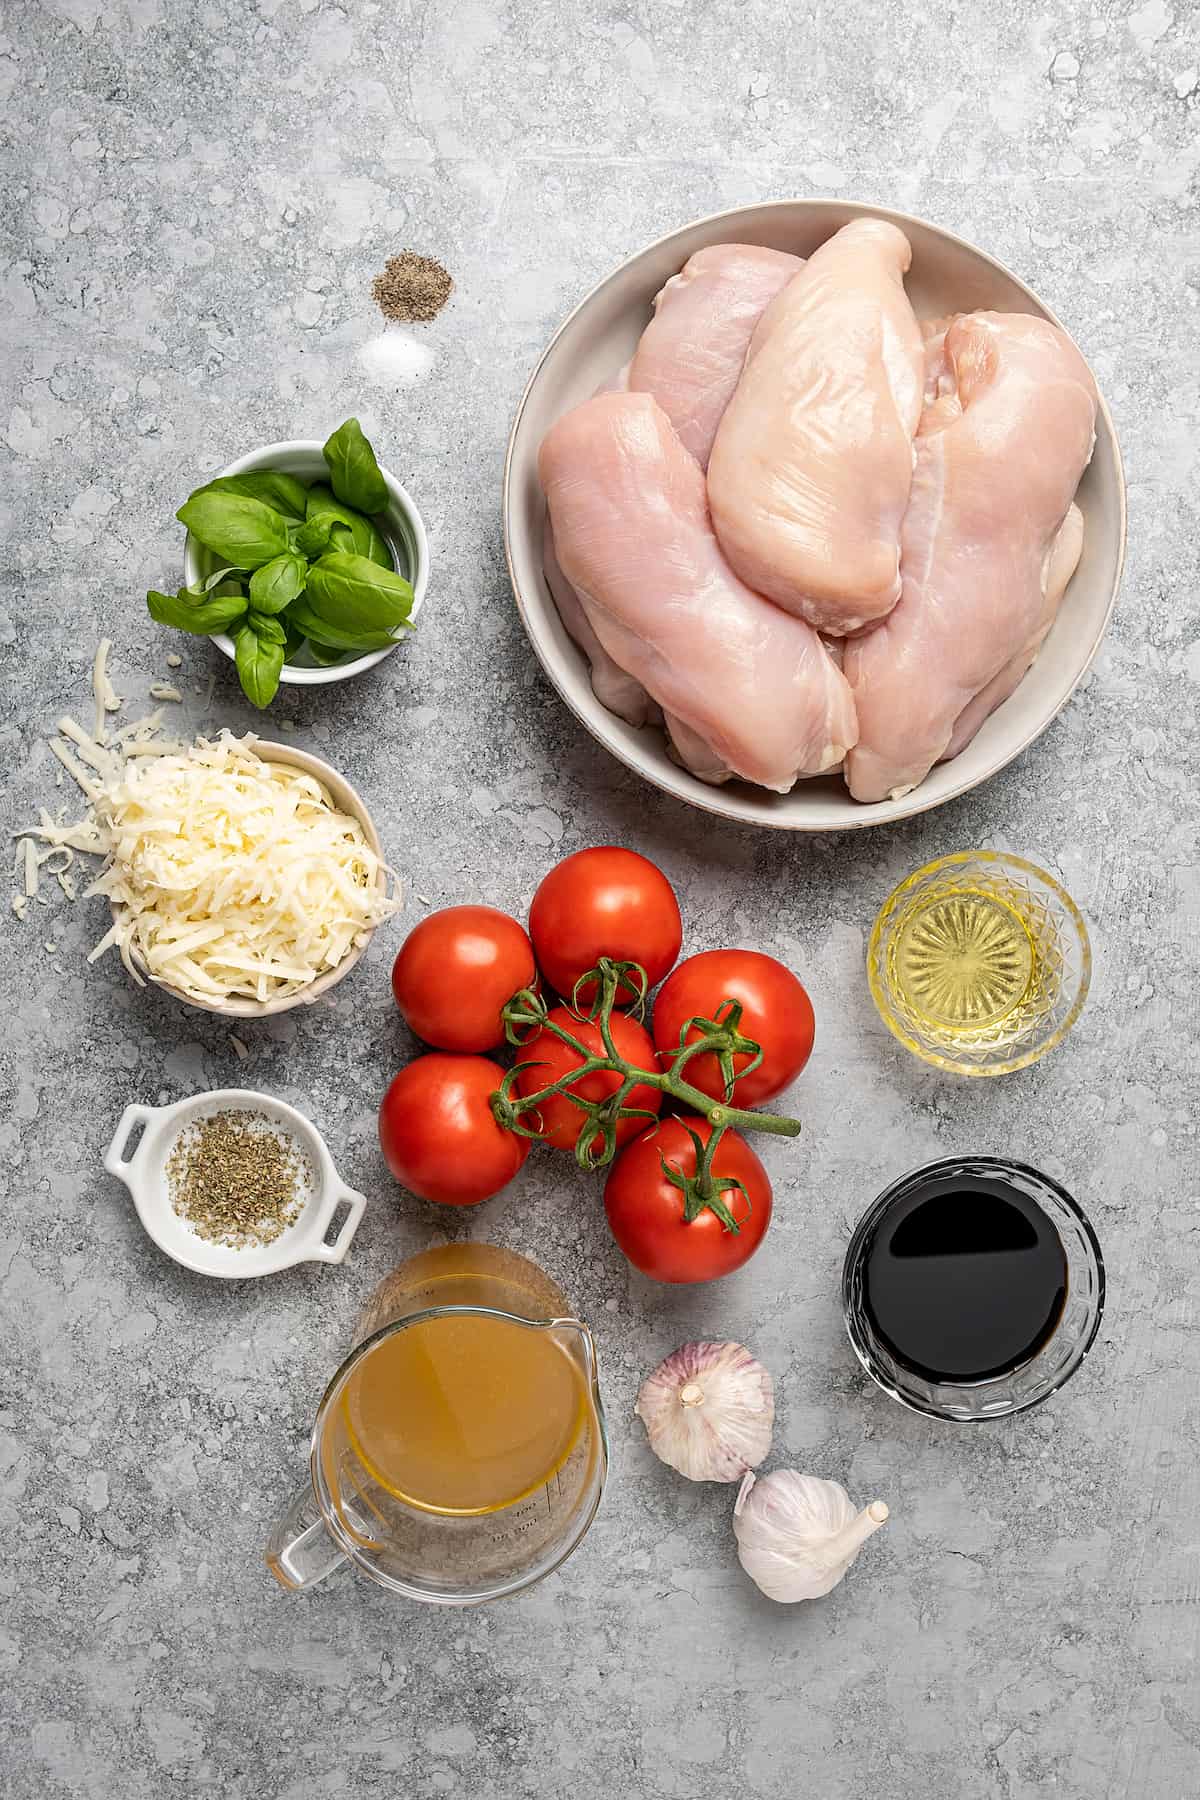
[[304, 562]]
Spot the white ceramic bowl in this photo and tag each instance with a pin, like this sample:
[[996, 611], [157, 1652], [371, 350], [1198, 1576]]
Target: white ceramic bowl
[[145, 1175], [346, 800], [400, 523], [947, 275]]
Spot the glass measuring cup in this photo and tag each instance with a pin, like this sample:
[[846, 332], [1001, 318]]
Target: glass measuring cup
[[472, 1540]]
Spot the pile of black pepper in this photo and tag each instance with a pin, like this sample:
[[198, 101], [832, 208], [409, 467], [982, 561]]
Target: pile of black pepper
[[412, 288], [236, 1180]]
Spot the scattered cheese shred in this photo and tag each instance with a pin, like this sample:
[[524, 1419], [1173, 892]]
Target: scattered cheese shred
[[105, 695], [73, 768], [91, 749], [162, 690]]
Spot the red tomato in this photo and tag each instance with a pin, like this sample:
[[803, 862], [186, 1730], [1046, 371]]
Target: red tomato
[[604, 902], [645, 1211], [455, 972], [438, 1133], [776, 1013], [561, 1119]]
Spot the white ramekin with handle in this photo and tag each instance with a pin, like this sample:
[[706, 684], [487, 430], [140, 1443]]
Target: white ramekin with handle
[[144, 1172]]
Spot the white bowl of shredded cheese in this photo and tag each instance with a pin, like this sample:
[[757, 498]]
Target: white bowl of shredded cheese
[[245, 878]]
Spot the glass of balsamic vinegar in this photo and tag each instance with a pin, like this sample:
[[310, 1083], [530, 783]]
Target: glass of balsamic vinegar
[[973, 1288]]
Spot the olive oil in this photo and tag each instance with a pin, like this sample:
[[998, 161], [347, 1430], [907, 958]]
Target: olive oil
[[967, 960], [979, 962]]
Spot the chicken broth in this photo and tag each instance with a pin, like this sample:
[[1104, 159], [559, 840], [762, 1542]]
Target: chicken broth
[[465, 1413]]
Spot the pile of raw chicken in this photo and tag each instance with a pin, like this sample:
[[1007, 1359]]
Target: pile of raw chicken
[[803, 530]]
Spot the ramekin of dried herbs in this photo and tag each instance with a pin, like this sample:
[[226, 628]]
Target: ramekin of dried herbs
[[304, 562], [234, 1184]]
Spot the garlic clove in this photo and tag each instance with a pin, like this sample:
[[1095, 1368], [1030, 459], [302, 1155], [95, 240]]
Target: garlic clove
[[797, 1535], [709, 1411]]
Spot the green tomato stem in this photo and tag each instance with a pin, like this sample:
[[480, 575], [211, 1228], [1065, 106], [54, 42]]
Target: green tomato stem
[[526, 1012]]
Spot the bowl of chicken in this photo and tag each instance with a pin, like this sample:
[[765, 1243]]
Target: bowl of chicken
[[814, 514]]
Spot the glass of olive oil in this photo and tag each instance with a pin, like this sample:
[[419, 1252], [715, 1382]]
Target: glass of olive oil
[[979, 962], [460, 1451]]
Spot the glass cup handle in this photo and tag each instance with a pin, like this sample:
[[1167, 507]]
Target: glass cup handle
[[300, 1550]]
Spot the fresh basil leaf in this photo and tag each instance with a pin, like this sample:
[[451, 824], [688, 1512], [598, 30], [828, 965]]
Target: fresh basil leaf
[[270, 629], [317, 535], [356, 594], [258, 665], [245, 532], [367, 540], [324, 654], [293, 637], [320, 631], [353, 472], [201, 617], [209, 582], [284, 492], [278, 582]]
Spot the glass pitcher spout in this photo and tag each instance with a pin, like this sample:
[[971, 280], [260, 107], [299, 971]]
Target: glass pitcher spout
[[577, 1339]]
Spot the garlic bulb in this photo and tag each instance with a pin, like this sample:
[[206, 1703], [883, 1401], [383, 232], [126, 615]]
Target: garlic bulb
[[709, 1411], [797, 1535]]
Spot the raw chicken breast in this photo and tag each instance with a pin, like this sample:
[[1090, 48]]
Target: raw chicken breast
[[694, 752], [989, 543], [689, 358], [1064, 559], [634, 539], [691, 353], [810, 472], [610, 684]]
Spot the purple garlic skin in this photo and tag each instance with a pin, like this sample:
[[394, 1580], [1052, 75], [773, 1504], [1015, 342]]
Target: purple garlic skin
[[709, 1411]]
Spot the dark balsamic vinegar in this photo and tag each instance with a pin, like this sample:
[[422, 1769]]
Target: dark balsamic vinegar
[[964, 1278]]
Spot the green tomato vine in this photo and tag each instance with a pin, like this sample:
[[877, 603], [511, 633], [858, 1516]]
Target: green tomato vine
[[593, 1002]]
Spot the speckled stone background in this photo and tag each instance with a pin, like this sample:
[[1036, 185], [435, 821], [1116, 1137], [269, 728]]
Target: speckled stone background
[[195, 200]]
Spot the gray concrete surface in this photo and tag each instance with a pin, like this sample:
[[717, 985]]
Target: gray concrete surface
[[195, 201]]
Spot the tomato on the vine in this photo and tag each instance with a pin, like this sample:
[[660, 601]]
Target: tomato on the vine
[[561, 1120], [646, 1211], [777, 1015], [438, 1133], [604, 902], [455, 972]]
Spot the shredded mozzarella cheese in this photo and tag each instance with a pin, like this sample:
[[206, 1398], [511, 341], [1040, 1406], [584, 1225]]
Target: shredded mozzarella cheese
[[230, 876]]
